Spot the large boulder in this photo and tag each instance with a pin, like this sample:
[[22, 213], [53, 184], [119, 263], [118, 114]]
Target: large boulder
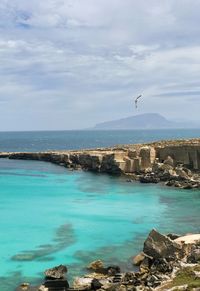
[[57, 272], [160, 246]]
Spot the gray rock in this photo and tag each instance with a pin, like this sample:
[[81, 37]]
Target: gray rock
[[57, 272], [160, 246]]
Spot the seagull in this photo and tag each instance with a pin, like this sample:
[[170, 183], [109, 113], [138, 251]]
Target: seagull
[[136, 100]]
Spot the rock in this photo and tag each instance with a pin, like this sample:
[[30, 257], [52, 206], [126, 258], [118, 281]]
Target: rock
[[122, 288], [173, 236], [57, 272], [82, 283], [194, 257], [161, 265], [169, 161], [24, 287], [170, 183], [113, 270], [42, 288], [160, 246], [149, 178], [57, 284], [129, 278], [96, 266], [182, 175], [187, 186], [146, 264], [177, 184], [95, 284], [138, 259]]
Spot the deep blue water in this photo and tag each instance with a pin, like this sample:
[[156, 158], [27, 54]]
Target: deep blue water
[[59, 140], [52, 216]]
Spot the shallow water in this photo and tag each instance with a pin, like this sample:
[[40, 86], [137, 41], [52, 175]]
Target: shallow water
[[52, 216]]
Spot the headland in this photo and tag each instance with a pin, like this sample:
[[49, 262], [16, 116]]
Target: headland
[[174, 163]]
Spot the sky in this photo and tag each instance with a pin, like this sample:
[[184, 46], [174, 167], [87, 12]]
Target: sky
[[69, 64]]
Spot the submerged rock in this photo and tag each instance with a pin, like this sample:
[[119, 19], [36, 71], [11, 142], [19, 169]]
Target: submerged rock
[[113, 270], [96, 266]]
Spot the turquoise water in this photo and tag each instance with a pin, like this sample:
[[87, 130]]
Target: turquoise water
[[52, 216]]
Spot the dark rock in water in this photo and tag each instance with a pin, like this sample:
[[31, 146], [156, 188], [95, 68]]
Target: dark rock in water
[[113, 270], [97, 266], [160, 246], [148, 178], [56, 283], [57, 272], [95, 284], [170, 183]]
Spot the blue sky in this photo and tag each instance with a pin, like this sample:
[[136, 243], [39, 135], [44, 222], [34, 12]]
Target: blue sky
[[68, 64]]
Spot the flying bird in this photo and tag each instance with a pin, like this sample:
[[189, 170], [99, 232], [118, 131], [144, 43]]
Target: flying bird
[[136, 101]]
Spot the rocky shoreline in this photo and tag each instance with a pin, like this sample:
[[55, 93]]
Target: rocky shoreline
[[175, 163], [167, 262]]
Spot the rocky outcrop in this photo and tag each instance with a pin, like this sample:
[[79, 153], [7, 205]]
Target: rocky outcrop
[[160, 262], [176, 163], [160, 246]]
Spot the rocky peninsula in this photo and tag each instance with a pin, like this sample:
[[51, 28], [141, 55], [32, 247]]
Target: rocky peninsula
[[175, 163]]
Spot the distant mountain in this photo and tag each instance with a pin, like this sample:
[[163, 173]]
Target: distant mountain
[[143, 121]]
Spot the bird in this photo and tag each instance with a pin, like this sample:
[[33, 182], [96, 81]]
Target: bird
[[136, 100]]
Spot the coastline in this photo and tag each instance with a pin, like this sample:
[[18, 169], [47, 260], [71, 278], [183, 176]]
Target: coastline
[[167, 262], [175, 163]]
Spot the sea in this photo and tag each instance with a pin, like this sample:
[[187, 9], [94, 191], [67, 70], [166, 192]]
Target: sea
[[51, 216]]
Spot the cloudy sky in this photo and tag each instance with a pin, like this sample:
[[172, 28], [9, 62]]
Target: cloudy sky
[[68, 64]]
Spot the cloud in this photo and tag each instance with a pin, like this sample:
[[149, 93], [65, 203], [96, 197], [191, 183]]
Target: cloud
[[77, 59]]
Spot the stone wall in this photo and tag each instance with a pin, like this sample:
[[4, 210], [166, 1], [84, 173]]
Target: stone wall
[[188, 155]]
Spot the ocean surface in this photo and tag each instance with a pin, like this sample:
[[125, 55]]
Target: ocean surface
[[50, 215], [77, 139]]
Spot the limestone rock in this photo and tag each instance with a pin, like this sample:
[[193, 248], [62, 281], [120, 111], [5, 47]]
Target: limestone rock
[[169, 161], [57, 272], [82, 283], [160, 246], [96, 266], [138, 259]]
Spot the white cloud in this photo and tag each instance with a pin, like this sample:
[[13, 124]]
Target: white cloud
[[77, 58]]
